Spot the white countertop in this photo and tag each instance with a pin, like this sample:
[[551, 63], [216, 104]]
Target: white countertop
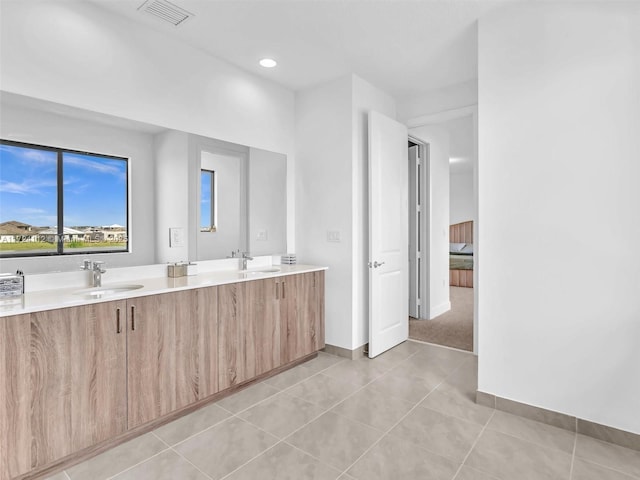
[[36, 301]]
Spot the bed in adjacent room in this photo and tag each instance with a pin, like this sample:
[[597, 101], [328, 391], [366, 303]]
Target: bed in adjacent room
[[461, 254]]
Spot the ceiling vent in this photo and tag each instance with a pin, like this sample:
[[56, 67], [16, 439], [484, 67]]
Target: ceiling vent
[[166, 11]]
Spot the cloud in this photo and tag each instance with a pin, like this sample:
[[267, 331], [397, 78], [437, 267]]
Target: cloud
[[30, 211], [30, 155], [27, 187], [96, 166]]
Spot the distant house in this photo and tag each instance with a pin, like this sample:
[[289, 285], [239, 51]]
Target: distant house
[[50, 235], [16, 232], [111, 233]]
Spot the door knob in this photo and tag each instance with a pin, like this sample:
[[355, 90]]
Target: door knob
[[375, 264]]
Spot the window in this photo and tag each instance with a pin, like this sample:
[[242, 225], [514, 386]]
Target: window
[[208, 205], [56, 201]]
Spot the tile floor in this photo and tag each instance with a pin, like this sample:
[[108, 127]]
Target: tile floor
[[408, 414]]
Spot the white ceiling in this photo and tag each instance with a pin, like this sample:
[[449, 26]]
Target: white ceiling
[[402, 47]]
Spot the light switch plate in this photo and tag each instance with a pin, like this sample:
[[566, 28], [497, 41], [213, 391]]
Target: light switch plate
[[176, 237], [261, 236]]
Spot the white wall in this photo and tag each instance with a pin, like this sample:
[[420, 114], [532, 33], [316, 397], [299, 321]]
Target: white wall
[[77, 54], [437, 230], [461, 197], [332, 177], [32, 126], [559, 90], [324, 197]]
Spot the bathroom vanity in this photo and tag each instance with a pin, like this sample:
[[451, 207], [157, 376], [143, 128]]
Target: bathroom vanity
[[80, 374]]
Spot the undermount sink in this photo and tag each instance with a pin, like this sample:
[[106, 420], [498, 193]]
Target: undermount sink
[[98, 292], [260, 270]]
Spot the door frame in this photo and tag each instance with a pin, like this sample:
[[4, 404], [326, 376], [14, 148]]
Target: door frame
[[424, 230]]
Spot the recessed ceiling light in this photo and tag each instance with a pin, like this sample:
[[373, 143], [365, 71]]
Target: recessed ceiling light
[[268, 62]]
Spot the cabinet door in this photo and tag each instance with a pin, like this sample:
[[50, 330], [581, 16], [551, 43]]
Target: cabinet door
[[78, 379], [303, 300], [171, 352], [15, 403], [236, 334], [249, 331]]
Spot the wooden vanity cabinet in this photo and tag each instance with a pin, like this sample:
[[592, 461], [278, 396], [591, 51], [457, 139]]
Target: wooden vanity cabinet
[[72, 378], [172, 360], [78, 379]]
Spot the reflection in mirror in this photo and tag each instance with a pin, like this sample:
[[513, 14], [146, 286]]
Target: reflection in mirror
[[164, 185], [231, 219], [208, 200]]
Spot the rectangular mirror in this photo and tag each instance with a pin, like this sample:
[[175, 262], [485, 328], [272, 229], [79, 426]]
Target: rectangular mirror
[[223, 196]]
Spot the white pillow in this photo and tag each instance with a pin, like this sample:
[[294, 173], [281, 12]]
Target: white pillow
[[456, 247]]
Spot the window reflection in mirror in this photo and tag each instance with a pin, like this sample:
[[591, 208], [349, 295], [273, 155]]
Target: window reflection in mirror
[[208, 201]]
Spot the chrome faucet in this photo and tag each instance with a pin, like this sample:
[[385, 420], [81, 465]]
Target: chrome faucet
[[245, 256], [97, 269]]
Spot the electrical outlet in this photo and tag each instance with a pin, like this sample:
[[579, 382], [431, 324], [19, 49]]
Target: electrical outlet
[[333, 236]]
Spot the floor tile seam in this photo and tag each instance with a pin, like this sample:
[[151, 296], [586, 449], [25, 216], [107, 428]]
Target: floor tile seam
[[302, 381], [377, 429], [356, 368], [464, 461], [140, 463], [459, 367], [262, 430], [191, 463], [339, 401], [231, 414], [573, 455], [535, 442], [608, 467], [388, 431], [324, 411], [252, 459], [313, 456], [530, 442], [293, 384], [257, 403]]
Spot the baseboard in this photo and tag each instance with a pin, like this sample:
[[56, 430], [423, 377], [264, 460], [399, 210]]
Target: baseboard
[[561, 420], [440, 309], [344, 352]]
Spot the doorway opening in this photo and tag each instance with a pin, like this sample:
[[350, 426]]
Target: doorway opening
[[442, 214]]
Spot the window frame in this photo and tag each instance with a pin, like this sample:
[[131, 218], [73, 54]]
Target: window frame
[[60, 251]]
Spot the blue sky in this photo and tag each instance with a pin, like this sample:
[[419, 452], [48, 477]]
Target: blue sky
[[205, 199], [94, 188]]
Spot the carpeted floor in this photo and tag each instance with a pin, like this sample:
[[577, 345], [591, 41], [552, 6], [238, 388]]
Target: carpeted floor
[[453, 328]]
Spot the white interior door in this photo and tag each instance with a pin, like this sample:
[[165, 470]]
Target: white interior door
[[388, 234]]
